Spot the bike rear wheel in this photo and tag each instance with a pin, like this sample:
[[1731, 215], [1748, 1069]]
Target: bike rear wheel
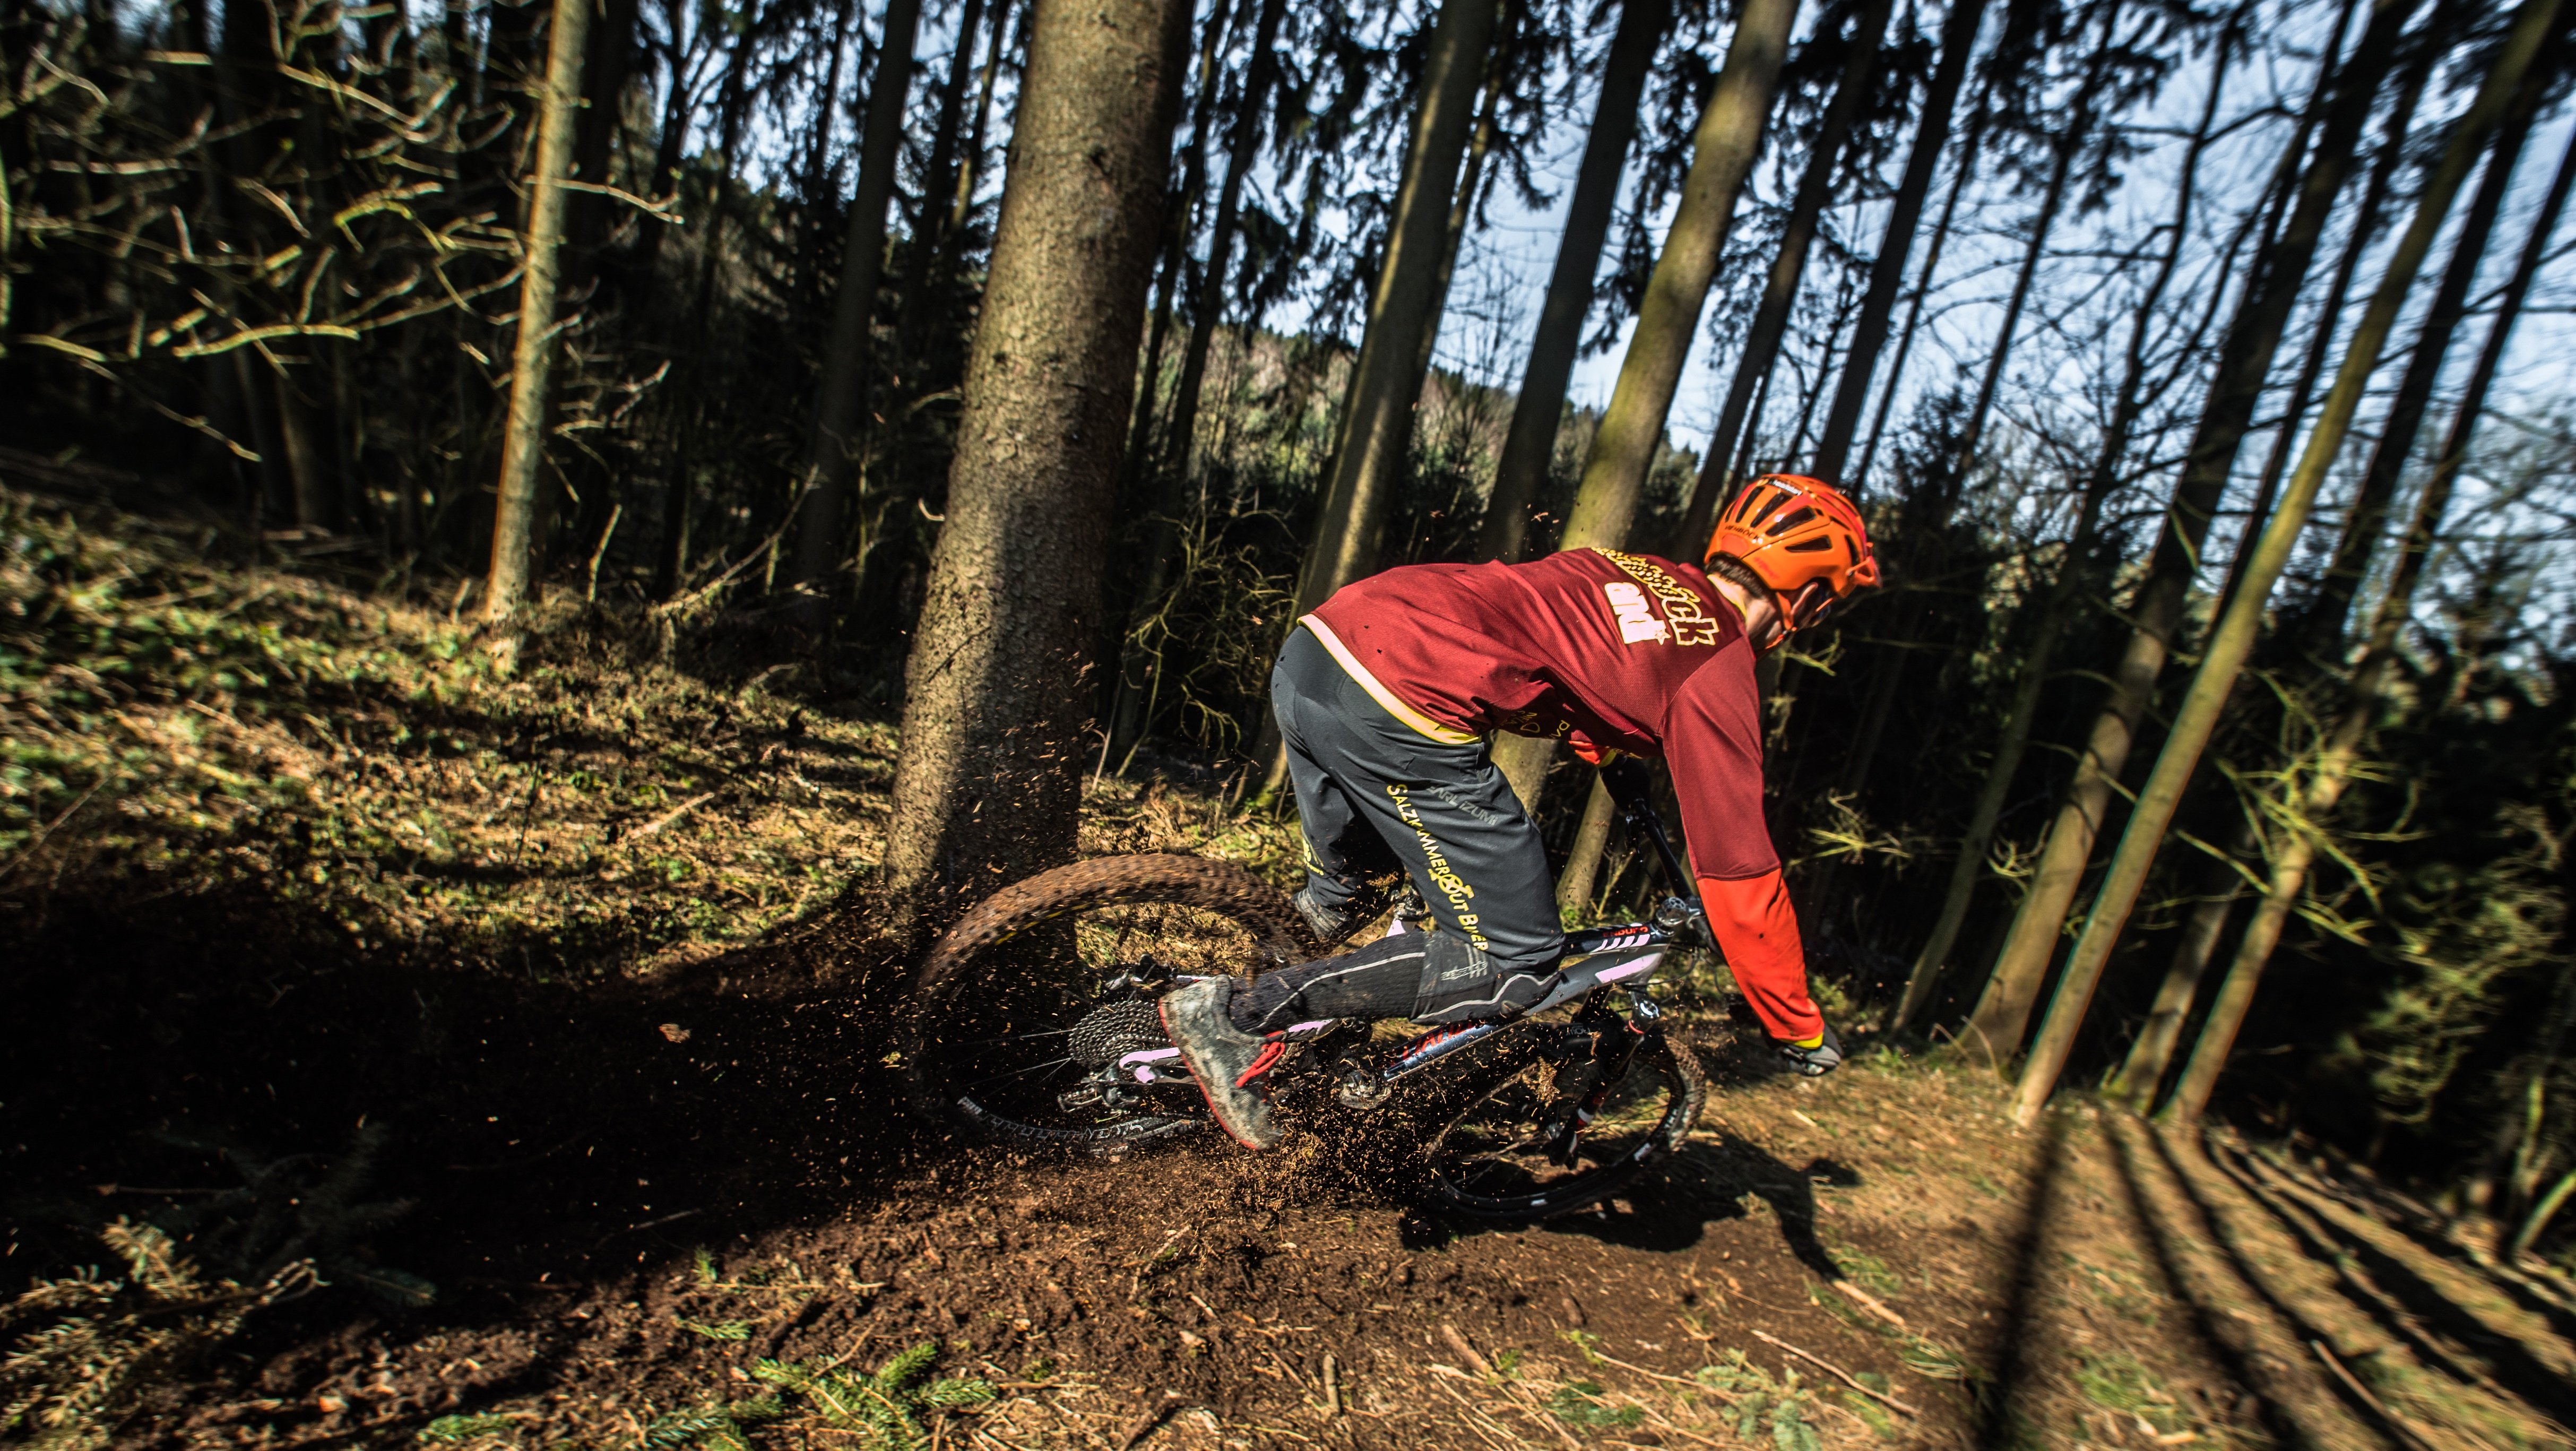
[[1490, 1162], [1026, 1001]]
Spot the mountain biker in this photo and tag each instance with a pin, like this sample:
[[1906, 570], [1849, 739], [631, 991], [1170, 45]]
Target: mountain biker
[[1384, 694]]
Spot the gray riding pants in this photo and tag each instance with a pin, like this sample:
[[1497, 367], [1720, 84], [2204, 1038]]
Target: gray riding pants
[[1372, 792]]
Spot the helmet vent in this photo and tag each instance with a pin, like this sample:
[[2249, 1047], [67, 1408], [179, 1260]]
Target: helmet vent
[[1808, 546], [1778, 498], [1793, 519]]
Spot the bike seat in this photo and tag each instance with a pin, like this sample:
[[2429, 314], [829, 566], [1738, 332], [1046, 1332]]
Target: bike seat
[[1601, 969]]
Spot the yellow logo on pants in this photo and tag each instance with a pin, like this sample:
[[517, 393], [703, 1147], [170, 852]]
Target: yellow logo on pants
[[1443, 876]]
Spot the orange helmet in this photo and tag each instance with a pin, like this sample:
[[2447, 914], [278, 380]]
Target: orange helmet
[[1796, 532]]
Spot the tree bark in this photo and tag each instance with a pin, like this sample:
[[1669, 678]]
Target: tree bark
[[1896, 243], [2334, 767], [2126, 407], [1376, 422], [518, 512], [2245, 357], [1723, 150], [990, 781], [1788, 266], [2234, 637], [1529, 447], [1207, 307], [841, 393]]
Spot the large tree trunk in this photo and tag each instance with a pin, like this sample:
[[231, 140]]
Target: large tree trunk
[[1376, 422], [841, 393], [1530, 445], [1896, 243], [1207, 305], [1723, 151], [990, 781], [2234, 637], [2333, 770], [1788, 266], [2245, 358], [518, 513], [2152, 1051], [2126, 407]]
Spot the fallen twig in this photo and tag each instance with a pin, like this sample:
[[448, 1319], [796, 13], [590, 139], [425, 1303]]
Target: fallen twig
[[2352, 1383], [1846, 1377], [1332, 1390], [654, 826], [1466, 1352], [1144, 1425], [1868, 1301]]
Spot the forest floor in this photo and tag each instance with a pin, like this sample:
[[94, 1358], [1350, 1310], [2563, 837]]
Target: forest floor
[[533, 1012]]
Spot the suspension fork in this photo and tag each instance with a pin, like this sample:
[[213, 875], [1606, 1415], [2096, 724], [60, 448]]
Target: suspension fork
[[1583, 1085]]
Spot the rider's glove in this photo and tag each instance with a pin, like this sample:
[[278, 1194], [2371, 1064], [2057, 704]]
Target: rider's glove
[[1815, 1059]]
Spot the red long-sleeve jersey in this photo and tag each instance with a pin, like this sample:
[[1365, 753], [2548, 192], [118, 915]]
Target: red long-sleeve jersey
[[1612, 651]]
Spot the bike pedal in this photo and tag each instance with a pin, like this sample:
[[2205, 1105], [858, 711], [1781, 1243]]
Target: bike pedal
[[1361, 1090]]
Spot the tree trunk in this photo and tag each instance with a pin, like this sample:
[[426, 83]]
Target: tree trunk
[[1207, 306], [520, 508], [939, 179], [1968, 151], [841, 402], [304, 424], [2245, 358], [2126, 407], [820, 181], [952, 238], [2152, 1053], [667, 154], [2365, 518], [2334, 767], [1723, 151], [1180, 225], [1376, 423], [1896, 243], [1890, 675], [989, 786], [1530, 445], [2365, 230], [2061, 167], [2234, 637], [1788, 266]]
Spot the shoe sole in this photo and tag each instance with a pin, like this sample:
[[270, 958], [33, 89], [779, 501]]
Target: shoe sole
[[1164, 1014]]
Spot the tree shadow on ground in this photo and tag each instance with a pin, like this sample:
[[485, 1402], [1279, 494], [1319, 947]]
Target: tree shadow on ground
[[538, 1131]]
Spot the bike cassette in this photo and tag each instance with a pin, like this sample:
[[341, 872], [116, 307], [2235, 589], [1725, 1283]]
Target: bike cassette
[[1117, 1030]]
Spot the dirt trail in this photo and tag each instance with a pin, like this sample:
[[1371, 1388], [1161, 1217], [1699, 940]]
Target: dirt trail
[[1209, 1292]]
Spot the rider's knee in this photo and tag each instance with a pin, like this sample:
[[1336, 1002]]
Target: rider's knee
[[1462, 981]]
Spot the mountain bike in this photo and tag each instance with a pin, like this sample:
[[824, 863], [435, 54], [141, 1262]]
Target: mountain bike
[[1038, 1027]]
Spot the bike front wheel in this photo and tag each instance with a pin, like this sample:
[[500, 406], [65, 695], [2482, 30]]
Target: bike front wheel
[[1492, 1161]]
